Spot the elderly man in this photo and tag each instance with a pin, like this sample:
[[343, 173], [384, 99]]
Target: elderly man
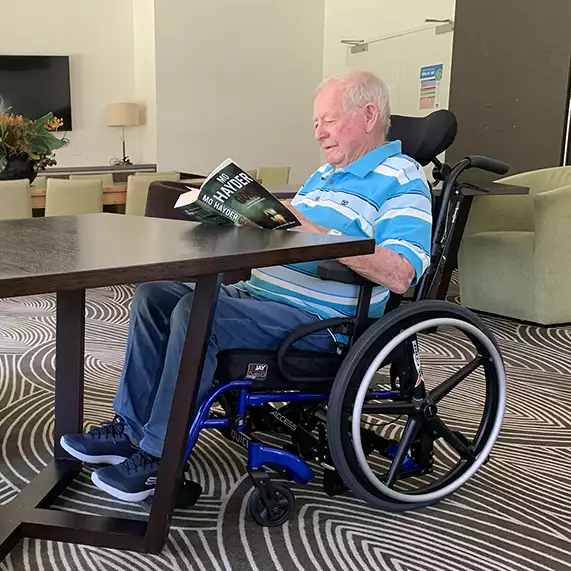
[[367, 188]]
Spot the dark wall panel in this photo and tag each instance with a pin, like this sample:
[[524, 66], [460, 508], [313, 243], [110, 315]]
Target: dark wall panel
[[510, 80]]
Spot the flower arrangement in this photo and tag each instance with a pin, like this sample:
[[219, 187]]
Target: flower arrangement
[[31, 141]]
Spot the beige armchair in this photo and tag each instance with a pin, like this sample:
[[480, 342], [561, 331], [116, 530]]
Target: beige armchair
[[65, 197], [15, 199], [514, 258], [106, 178], [138, 189]]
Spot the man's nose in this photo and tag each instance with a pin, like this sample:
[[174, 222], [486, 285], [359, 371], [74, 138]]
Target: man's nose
[[320, 133]]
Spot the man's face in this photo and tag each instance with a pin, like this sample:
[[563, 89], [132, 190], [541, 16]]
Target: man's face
[[341, 133]]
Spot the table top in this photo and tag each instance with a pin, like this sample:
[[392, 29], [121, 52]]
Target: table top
[[66, 253], [493, 188], [488, 189], [286, 191], [117, 187]]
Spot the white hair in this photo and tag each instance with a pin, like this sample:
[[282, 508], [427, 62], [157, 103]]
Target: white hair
[[362, 88]]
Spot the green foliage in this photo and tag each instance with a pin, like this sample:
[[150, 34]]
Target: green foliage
[[36, 139]]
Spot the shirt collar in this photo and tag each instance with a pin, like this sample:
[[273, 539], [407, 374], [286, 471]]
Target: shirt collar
[[363, 166]]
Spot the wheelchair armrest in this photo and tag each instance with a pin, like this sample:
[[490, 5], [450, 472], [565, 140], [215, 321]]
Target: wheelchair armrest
[[300, 333], [337, 272]]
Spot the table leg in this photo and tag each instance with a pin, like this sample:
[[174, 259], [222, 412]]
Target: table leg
[[190, 369], [10, 535], [70, 355], [451, 261], [28, 515]]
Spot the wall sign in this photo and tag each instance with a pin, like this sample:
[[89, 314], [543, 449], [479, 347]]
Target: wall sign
[[430, 80]]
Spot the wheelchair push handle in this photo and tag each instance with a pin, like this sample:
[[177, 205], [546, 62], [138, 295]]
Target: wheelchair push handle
[[488, 164]]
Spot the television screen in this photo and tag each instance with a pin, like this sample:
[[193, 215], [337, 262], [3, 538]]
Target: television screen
[[35, 85]]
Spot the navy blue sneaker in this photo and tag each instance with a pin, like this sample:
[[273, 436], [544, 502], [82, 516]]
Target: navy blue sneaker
[[131, 481], [106, 444]]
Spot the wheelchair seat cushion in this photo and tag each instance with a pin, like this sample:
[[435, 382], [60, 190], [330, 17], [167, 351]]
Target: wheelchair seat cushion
[[261, 367]]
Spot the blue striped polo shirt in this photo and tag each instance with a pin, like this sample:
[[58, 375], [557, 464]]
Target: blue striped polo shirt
[[383, 195]]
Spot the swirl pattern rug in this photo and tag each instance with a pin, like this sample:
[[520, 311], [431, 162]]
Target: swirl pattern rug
[[514, 515]]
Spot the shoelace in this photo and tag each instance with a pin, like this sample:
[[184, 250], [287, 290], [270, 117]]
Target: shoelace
[[139, 460], [109, 429]]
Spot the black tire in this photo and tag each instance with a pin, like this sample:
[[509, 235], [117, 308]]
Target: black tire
[[349, 377], [286, 505]]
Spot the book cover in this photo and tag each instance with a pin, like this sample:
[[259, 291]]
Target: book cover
[[229, 195]]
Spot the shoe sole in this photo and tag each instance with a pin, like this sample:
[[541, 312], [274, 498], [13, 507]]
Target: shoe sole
[[114, 460], [119, 494]]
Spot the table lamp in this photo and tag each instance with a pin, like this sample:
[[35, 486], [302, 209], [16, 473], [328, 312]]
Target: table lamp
[[123, 115]]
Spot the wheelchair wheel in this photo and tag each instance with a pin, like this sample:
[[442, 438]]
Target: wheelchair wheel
[[431, 456], [283, 505]]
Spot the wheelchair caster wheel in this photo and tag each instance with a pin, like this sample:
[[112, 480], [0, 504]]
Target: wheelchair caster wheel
[[281, 506]]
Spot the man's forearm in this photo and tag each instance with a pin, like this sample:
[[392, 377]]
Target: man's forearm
[[384, 267]]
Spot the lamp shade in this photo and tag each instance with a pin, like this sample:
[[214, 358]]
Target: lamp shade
[[122, 114]]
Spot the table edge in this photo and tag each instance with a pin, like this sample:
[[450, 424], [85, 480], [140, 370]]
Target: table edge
[[175, 271]]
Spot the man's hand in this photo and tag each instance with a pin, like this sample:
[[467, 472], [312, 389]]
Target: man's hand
[[306, 224]]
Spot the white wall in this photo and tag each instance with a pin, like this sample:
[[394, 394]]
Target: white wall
[[236, 79], [98, 37], [219, 78], [367, 19], [145, 78]]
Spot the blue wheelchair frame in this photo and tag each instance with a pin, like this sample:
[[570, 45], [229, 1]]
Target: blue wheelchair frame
[[259, 455]]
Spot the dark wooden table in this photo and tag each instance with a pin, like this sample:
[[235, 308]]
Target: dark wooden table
[[68, 254], [468, 190]]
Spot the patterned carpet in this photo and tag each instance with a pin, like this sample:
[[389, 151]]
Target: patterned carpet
[[514, 515]]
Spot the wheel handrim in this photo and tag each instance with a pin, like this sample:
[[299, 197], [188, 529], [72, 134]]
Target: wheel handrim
[[464, 475]]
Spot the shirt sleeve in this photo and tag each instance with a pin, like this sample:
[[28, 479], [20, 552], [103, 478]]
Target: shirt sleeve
[[404, 224]]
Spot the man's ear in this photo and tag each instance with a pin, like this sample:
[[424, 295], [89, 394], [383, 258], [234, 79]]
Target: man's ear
[[371, 116]]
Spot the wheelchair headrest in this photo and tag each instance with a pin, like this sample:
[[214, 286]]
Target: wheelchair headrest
[[423, 138]]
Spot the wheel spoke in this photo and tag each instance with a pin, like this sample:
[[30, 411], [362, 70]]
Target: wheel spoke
[[410, 430], [451, 438], [398, 408], [448, 385]]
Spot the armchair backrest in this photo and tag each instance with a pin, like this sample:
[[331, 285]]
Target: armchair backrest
[[162, 197], [515, 212]]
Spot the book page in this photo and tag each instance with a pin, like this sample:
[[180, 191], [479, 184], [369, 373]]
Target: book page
[[188, 197]]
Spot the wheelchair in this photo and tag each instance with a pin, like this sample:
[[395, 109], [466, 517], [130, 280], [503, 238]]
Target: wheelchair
[[325, 407]]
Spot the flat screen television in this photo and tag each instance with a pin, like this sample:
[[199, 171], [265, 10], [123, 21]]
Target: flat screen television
[[35, 85]]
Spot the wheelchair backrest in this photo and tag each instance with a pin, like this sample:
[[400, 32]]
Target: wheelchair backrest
[[424, 138]]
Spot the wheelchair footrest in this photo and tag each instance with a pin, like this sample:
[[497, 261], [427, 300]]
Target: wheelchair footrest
[[296, 469], [409, 468], [188, 495], [388, 449]]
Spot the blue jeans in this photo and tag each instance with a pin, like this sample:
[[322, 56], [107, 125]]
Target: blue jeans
[[157, 330]]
